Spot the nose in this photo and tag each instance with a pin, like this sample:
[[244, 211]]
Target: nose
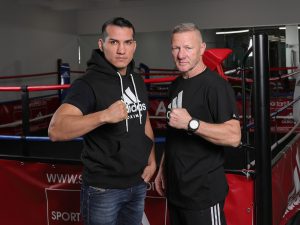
[[121, 49], [181, 54]]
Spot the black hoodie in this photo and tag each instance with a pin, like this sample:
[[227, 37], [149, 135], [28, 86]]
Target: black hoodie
[[114, 155]]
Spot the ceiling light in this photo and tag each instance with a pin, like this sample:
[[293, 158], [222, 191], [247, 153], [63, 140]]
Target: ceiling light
[[232, 32], [283, 28]]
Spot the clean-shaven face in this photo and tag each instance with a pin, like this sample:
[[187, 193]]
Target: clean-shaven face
[[118, 47], [187, 51]]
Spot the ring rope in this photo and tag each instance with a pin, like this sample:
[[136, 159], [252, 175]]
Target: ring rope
[[65, 86], [152, 80], [274, 114], [37, 88], [19, 122], [30, 138], [46, 139], [285, 136], [281, 140]]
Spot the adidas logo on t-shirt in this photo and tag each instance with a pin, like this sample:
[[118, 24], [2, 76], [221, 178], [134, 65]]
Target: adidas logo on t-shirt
[[176, 103]]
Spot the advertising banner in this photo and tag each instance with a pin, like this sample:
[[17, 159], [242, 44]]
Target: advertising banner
[[47, 194], [286, 185]]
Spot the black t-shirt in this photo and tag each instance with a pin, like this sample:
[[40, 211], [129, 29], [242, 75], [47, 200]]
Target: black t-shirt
[[194, 166]]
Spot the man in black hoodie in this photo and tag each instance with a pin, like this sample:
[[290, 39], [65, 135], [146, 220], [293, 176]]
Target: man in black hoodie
[[108, 107]]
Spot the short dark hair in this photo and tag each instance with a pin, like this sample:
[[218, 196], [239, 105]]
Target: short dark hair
[[117, 21]]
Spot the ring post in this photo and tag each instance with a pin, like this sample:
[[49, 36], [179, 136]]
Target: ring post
[[58, 64], [245, 137], [25, 119], [65, 78], [263, 181], [146, 70]]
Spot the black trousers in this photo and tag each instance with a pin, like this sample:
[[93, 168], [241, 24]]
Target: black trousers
[[211, 216]]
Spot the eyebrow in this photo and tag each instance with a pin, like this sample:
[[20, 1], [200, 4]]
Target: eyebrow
[[184, 46], [113, 39]]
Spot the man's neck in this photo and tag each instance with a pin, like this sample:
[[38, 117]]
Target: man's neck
[[194, 72], [122, 71]]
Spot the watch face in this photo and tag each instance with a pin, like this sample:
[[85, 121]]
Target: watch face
[[194, 124]]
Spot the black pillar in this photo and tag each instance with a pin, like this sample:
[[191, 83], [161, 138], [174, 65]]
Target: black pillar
[[263, 181]]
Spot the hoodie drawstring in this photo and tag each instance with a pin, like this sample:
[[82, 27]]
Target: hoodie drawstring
[[122, 91], [137, 99]]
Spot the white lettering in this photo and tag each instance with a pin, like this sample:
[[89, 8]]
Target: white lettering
[[150, 186], [64, 178], [279, 103], [134, 108], [161, 108], [65, 216]]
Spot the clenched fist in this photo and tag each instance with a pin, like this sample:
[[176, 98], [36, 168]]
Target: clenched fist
[[179, 118], [117, 112]]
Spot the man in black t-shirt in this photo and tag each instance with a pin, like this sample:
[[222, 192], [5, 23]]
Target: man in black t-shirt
[[202, 119]]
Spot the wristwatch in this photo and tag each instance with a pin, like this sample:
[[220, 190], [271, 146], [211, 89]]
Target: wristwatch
[[193, 125]]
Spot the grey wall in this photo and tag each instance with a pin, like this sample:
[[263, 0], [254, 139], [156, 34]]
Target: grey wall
[[153, 48], [206, 13], [32, 38], [153, 23], [31, 41]]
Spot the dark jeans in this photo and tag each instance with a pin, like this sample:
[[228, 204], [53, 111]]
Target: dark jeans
[[112, 206]]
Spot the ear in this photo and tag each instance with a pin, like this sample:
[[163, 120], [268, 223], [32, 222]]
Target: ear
[[100, 44], [134, 46], [202, 47]]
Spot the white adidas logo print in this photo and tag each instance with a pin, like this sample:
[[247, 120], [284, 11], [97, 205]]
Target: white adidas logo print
[[176, 103], [132, 103]]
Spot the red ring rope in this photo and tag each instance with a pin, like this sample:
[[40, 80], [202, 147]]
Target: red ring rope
[[37, 88], [152, 80]]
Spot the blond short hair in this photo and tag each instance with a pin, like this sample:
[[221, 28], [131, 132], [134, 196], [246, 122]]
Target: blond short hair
[[184, 27]]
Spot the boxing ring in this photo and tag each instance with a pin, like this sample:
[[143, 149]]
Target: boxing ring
[[41, 179]]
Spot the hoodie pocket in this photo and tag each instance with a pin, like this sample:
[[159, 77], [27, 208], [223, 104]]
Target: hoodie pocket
[[132, 155]]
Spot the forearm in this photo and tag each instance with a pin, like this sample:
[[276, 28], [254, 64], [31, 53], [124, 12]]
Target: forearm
[[227, 134], [162, 161], [68, 121], [151, 159], [68, 127]]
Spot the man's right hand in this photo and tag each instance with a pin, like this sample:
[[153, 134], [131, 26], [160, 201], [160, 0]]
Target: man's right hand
[[116, 112]]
